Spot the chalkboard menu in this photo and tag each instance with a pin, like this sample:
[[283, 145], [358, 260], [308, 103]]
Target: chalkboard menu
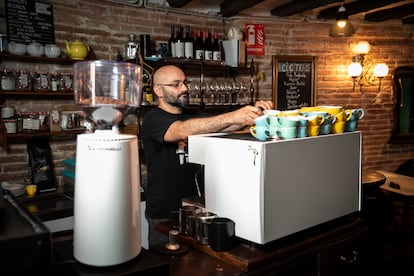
[[293, 81], [29, 21]]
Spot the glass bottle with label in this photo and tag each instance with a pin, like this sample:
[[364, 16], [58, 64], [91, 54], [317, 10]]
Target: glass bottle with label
[[199, 45], [171, 43], [216, 48], [179, 44], [189, 44], [208, 47]]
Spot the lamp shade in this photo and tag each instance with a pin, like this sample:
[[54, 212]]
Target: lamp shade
[[354, 69], [342, 26], [380, 70], [362, 48]]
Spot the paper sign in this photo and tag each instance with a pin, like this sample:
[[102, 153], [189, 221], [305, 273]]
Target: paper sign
[[255, 39]]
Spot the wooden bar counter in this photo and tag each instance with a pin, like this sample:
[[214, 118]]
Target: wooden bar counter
[[329, 249]]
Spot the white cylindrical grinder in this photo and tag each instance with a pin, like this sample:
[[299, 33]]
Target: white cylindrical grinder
[[107, 226], [107, 221]]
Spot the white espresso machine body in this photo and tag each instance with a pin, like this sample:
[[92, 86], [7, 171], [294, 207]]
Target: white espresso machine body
[[273, 189]]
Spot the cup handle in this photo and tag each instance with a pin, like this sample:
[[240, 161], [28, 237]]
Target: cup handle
[[252, 130], [333, 119], [361, 113], [348, 116], [322, 119]]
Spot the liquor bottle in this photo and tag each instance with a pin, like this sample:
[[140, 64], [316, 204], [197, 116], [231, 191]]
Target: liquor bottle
[[188, 44], [171, 45], [216, 48], [199, 45], [179, 44], [208, 47]]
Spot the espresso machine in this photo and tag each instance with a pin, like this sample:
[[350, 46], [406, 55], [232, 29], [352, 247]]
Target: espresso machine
[[107, 225]]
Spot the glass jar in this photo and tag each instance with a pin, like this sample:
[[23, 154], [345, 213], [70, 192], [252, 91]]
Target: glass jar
[[31, 122], [23, 81], [10, 125], [65, 82], [41, 82], [43, 121], [54, 80], [8, 79]]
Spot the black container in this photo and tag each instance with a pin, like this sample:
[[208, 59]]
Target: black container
[[221, 234], [145, 45]]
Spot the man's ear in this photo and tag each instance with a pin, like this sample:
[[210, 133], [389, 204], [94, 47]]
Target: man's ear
[[157, 91]]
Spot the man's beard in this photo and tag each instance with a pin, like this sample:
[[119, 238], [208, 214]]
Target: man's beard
[[180, 101]]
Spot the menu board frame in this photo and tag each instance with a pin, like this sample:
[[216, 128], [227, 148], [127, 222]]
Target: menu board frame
[[30, 21], [297, 80]]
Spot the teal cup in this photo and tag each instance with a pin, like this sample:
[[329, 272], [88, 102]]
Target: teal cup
[[287, 132], [286, 122], [261, 121], [357, 114], [272, 121], [302, 131], [260, 132], [302, 121], [325, 129], [272, 132], [351, 125]]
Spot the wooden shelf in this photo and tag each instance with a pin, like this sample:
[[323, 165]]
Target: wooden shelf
[[32, 94], [42, 59]]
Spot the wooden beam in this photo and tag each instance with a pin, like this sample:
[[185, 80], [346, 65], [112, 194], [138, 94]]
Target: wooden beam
[[233, 7], [298, 6], [393, 13], [177, 3], [408, 20], [356, 7]]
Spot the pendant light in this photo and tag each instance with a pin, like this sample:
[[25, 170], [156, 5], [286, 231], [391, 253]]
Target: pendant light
[[342, 26]]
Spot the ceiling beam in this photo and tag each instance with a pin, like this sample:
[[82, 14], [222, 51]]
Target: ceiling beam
[[393, 13], [356, 7], [177, 3], [408, 20], [298, 6], [233, 7]]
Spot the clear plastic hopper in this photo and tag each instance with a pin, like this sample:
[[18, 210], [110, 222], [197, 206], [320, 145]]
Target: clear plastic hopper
[[107, 90]]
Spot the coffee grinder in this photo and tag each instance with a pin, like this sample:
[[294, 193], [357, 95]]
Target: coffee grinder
[[107, 226]]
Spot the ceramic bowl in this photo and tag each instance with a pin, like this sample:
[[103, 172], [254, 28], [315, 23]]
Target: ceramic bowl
[[17, 48], [15, 189]]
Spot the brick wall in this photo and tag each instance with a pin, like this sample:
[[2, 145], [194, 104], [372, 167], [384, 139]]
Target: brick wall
[[105, 27]]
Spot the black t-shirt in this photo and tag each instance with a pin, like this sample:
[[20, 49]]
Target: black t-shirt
[[170, 175]]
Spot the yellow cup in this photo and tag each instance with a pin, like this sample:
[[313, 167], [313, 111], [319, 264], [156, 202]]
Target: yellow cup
[[343, 116], [338, 127], [331, 109], [316, 120], [31, 190], [295, 112], [313, 130]]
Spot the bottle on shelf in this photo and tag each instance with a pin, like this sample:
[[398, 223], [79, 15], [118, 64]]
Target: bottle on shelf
[[199, 45], [216, 48], [188, 44], [179, 44], [208, 47], [171, 43]]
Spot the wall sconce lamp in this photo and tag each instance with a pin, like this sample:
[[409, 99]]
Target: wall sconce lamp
[[363, 69], [342, 26]]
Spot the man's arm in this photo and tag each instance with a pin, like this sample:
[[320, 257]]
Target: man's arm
[[229, 121]]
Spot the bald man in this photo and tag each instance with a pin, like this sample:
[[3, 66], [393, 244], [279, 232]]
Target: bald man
[[165, 131]]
